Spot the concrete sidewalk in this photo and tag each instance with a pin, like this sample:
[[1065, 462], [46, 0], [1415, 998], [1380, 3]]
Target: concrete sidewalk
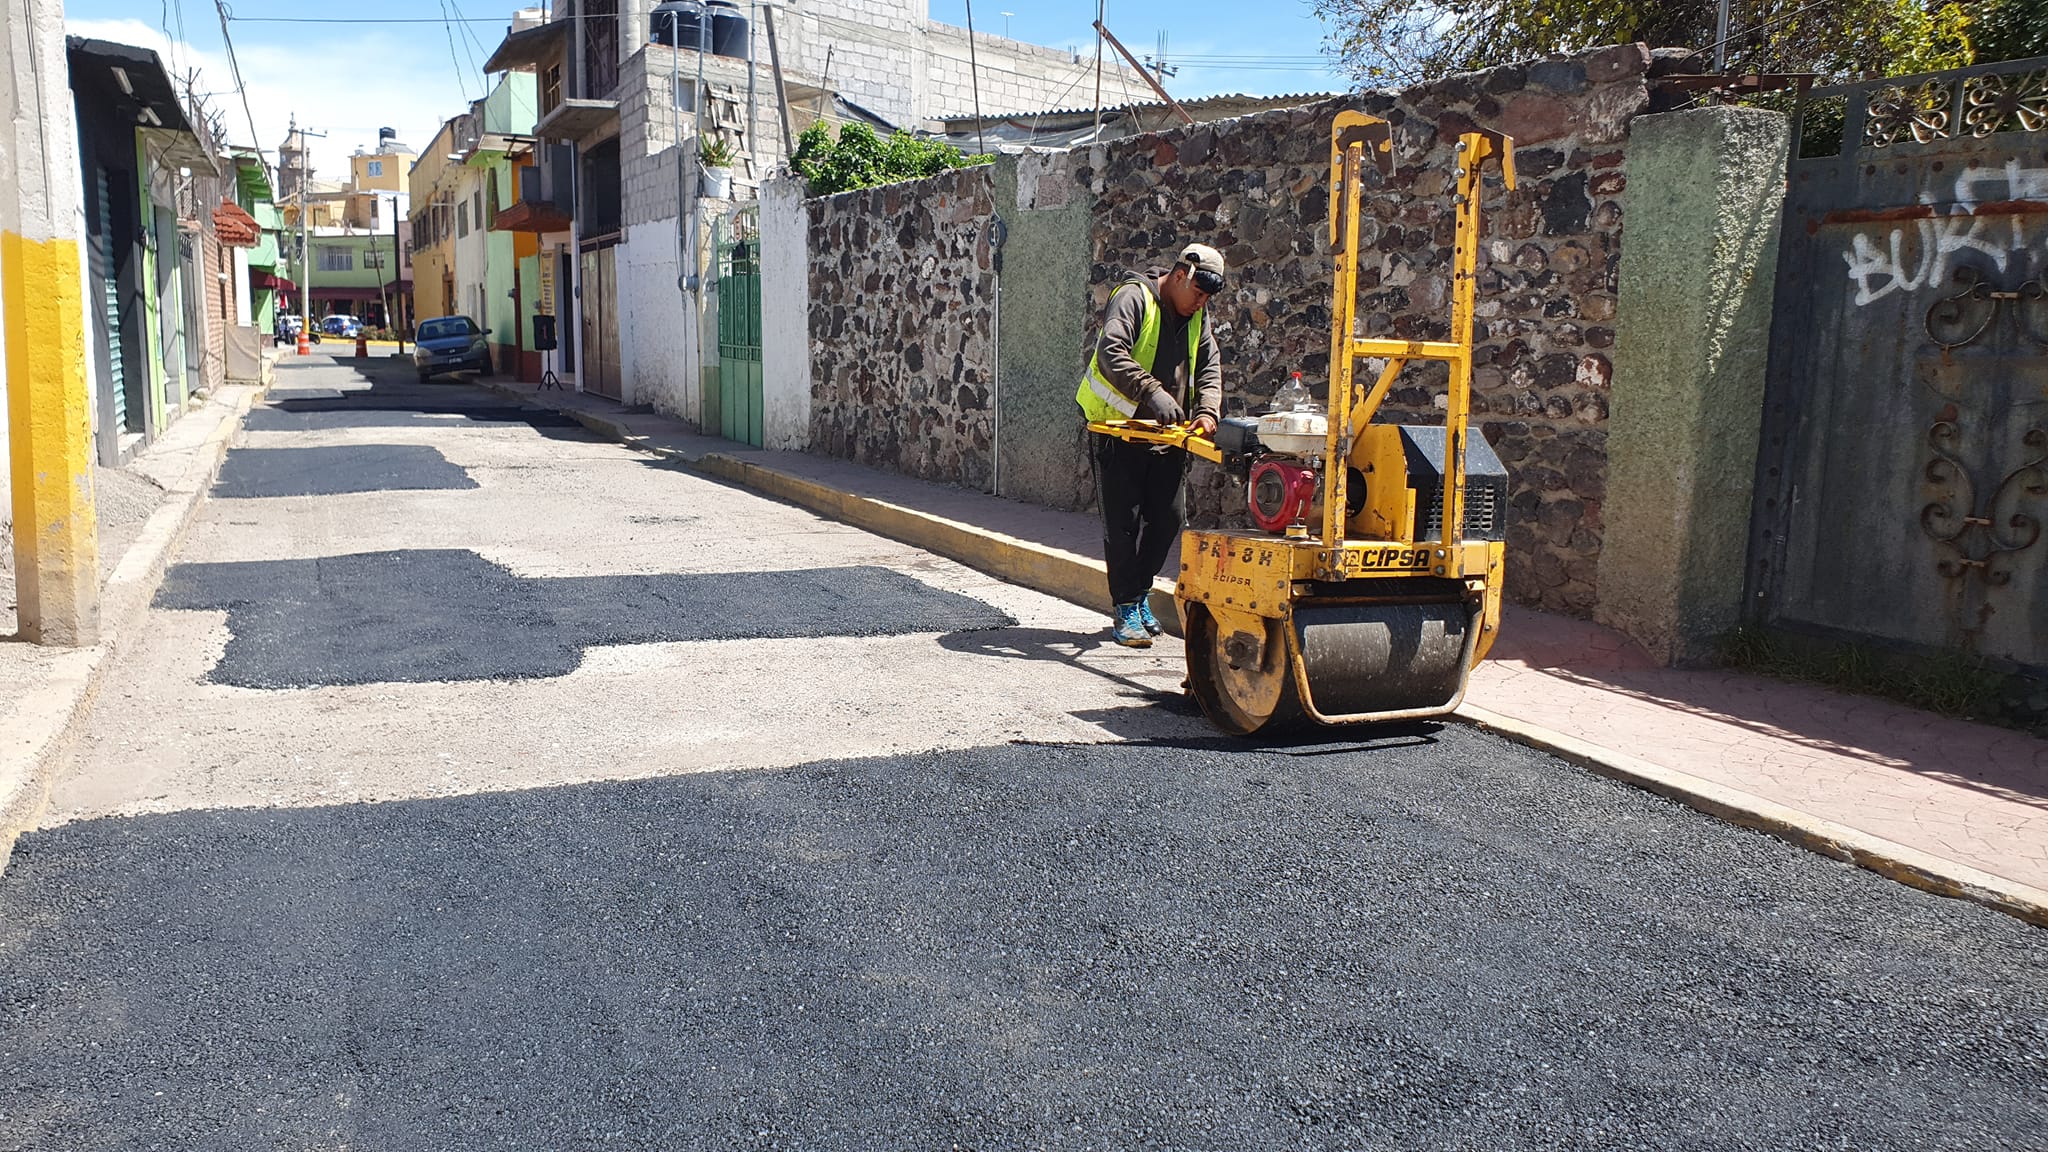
[[145, 507], [1945, 805]]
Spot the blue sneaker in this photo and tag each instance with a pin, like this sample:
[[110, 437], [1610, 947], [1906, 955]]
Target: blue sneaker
[[1145, 615], [1128, 626]]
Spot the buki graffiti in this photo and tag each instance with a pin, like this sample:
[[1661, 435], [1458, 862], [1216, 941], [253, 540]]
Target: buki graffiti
[[1881, 266]]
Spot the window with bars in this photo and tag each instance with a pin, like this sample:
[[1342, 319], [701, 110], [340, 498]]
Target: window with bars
[[550, 89], [333, 259]]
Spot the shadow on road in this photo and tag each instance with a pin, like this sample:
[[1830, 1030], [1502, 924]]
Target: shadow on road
[[385, 392]]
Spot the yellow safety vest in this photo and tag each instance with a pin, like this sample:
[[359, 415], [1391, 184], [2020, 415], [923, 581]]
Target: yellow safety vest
[[1099, 399]]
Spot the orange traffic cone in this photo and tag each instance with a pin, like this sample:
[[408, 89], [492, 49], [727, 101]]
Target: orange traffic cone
[[305, 346], [362, 346]]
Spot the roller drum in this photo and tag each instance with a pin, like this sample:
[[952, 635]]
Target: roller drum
[[1382, 657]]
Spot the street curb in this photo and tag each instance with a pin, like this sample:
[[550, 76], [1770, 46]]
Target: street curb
[[49, 715], [1079, 580], [1887, 858]]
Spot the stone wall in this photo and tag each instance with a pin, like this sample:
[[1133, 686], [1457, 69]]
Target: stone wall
[[902, 290], [1256, 187], [903, 300]]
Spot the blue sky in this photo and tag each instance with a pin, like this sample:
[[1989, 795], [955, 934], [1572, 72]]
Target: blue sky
[[348, 76]]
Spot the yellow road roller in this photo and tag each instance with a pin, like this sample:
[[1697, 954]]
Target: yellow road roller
[[1370, 583]]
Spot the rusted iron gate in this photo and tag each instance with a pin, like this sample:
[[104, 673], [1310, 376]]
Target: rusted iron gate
[[1903, 477]]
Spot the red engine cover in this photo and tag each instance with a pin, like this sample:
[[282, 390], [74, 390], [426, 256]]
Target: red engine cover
[[1279, 494]]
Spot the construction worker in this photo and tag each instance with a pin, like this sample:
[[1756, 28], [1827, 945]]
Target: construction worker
[[1156, 360]]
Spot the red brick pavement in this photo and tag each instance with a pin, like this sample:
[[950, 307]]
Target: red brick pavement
[[1970, 793]]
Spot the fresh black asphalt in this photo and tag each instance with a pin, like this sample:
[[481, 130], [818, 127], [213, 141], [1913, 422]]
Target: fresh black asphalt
[[1436, 941], [324, 416], [249, 473], [450, 614]]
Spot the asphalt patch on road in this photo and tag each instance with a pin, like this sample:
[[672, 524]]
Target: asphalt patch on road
[[1465, 945], [322, 416], [449, 614], [285, 395], [251, 473]]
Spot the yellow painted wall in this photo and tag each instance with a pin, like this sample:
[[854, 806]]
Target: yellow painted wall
[[49, 416]]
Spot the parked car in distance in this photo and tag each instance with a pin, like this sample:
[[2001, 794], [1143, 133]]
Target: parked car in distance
[[450, 344], [347, 327]]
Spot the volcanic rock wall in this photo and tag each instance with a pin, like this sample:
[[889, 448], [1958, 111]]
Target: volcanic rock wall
[[1257, 188]]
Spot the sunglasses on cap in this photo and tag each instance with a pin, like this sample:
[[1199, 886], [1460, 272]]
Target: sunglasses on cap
[[1207, 281]]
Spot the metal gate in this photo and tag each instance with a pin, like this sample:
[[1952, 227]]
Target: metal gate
[[739, 328], [1903, 477]]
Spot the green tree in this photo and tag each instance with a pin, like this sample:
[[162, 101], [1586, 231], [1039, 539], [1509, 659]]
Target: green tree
[[861, 159], [1400, 41], [2009, 30]]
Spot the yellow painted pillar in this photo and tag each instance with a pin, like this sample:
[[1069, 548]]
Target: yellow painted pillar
[[49, 399]]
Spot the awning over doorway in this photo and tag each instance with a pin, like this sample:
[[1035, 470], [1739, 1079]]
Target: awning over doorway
[[235, 227]]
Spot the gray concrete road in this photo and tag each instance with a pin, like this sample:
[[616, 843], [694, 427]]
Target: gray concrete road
[[722, 826]]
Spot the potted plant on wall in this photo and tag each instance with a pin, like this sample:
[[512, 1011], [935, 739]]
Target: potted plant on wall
[[716, 157]]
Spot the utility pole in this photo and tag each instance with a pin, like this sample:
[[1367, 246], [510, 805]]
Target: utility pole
[[974, 81], [1101, 7], [1142, 72], [397, 279], [753, 149], [305, 232], [48, 424]]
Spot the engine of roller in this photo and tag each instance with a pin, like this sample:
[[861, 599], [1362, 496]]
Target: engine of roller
[[1369, 583], [1278, 459]]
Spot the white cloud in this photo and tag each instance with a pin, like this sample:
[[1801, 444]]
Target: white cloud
[[344, 81]]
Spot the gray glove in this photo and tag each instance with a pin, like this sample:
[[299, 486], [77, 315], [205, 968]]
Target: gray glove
[[1158, 404]]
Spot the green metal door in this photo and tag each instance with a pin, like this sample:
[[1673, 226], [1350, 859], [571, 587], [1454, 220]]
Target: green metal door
[[739, 329]]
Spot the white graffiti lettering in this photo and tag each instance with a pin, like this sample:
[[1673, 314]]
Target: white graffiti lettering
[[1880, 272], [1880, 268], [2018, 183]]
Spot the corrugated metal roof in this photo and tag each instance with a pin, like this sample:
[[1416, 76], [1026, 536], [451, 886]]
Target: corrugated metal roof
[[1282, 100]]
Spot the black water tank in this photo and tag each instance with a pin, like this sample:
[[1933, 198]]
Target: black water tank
[[728, 29], [680, 24]]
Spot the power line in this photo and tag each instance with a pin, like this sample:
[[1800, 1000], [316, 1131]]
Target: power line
[[235, 67], [346, 20], [482, 80], [1080, 74], [461, 78]]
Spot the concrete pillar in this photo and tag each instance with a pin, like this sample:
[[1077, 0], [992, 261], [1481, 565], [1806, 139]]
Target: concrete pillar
[[785, 316], [1692, 333], [49, 404], [633, 17]]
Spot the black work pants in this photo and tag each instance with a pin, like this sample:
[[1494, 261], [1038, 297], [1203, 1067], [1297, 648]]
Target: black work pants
[[1144, 502]]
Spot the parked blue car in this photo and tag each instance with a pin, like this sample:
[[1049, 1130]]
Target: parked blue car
[[450, 344]]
